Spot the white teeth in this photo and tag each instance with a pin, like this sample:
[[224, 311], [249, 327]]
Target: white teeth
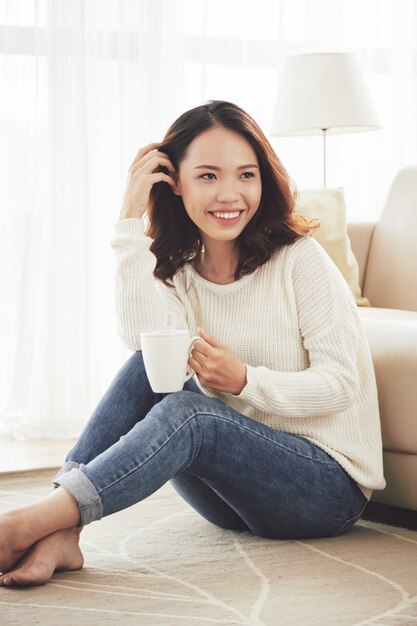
[[226, 216]]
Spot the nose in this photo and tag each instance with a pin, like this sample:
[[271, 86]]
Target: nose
[[228, 191]]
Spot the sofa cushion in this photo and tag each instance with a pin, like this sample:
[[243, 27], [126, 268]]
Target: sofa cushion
[[328, 206], [392, 337], [390, 279]]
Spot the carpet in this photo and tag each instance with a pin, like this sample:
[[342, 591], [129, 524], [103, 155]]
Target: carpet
[[160, 563]]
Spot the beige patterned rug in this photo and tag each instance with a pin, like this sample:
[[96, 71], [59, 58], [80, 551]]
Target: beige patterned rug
[[160, 563]]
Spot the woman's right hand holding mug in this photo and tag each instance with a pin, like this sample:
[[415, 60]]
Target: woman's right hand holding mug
[[141, 178]]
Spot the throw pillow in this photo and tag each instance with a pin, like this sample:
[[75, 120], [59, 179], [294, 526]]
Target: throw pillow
[[328, 206]]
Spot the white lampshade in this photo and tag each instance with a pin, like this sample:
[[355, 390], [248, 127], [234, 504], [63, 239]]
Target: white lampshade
[[320, 92]]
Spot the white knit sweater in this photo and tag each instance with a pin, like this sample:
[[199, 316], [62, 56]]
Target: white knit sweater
[[293, 322]]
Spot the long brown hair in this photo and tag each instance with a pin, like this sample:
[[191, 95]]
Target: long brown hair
[[177, 240]]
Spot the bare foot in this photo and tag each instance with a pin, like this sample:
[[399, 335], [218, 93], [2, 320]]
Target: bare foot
[[15, 539], [21, 528], [56, 552]]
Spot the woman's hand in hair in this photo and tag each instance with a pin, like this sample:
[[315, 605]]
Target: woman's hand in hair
[[216, 365], [141, 178]]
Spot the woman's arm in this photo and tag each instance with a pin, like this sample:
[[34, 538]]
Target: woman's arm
[[139, 306], [329, 329], [329, 385]]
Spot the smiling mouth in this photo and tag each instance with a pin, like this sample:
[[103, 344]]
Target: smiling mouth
[[226, 215]]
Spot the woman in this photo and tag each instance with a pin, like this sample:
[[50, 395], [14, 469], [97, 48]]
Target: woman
[[278, 433]]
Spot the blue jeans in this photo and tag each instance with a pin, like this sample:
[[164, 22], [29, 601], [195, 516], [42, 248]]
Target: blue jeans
[[237, 473]]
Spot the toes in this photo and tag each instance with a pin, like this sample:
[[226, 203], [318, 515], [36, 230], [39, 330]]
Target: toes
[[19, 579], [11, 579]]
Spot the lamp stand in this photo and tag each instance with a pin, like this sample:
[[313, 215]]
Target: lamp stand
[[324, 155]]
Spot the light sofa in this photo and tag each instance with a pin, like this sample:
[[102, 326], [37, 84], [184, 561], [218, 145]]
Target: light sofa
[[386, 252]]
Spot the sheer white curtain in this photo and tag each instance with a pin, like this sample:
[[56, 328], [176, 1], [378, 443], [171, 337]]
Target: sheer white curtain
[[84, 84]]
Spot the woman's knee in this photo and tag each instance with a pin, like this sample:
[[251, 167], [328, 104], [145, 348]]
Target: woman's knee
[[187, 404], [179, 403], [133, 373], [135, 362], [187, 409]]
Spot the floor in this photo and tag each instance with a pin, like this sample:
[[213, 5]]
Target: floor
[[24, 455]]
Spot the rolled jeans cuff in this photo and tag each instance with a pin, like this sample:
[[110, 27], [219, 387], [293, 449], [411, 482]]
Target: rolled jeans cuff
[[83, 490], [68, 466]]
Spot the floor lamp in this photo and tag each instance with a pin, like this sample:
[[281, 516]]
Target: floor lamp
[[322, 94]]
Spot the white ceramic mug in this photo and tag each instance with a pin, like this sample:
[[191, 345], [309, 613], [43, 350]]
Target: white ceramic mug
[[165, 355]]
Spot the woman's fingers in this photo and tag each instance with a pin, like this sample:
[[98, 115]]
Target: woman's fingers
[[157, 177], [210, 339], [136, 199], [144, 150], [149, 163], [200, 359], [201, 347], [142, 175], [149, 154], [195, 365], [199, 353]]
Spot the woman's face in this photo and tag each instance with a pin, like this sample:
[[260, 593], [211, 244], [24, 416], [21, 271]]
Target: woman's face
[[220, 183]]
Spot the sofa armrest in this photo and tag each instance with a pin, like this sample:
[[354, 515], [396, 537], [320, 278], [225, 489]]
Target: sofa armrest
[[360, 235]]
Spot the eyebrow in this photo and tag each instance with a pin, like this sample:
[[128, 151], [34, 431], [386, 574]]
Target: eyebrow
[[213, 167]]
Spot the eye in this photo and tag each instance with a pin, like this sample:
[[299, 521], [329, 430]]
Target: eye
[[246, 176]]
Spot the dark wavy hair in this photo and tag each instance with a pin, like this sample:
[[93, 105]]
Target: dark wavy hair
[[177, 240]]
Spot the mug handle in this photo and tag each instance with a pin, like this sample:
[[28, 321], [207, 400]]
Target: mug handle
[[190, 374]]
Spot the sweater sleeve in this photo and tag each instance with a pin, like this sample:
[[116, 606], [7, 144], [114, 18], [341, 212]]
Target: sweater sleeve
[[328, 329], [141, 304]]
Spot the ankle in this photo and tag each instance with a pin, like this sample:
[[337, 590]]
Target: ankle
[[28, 524], [16, 524]]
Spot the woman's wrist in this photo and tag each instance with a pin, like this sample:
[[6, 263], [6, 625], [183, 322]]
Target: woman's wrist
[[128, 214]]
